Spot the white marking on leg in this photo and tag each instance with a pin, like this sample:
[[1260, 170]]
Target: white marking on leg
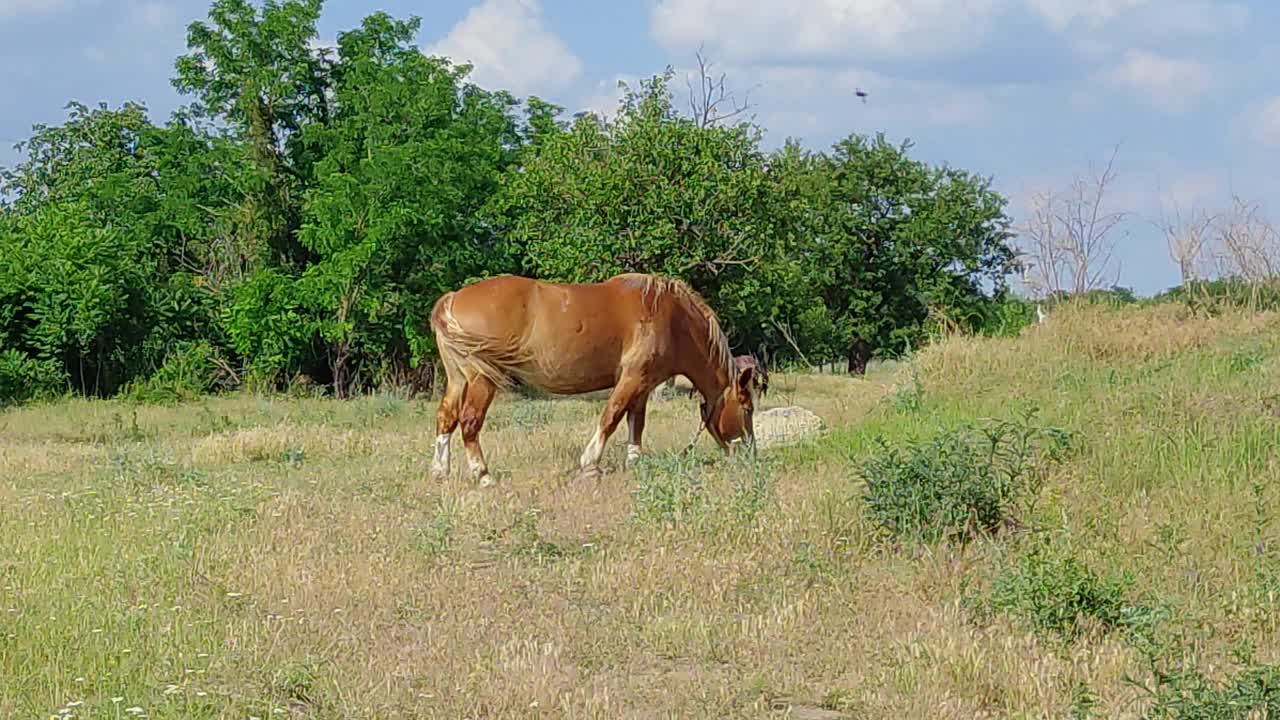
[[633, 453], [440, 462], [477, 464], [591, 456]]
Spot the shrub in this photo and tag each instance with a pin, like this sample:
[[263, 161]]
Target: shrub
[[190, 370], [965, 481], [1253, 692], [23, 379], [1056, 593]]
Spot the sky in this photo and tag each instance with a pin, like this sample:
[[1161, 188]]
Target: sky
[[1029, 92]]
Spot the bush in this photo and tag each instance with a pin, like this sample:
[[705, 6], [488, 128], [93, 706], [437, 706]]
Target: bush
[[965, 481], [23, 379], [1056, 593], [1254, 692], [190, 370]]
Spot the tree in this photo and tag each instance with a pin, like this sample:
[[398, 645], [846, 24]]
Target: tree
[[407, 156], [1187, 239], [651, 191], [258, 72], [1248, 246], [1069, 241], [891, 241], [104, 237]]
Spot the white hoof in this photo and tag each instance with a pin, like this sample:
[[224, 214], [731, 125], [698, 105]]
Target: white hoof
[[486, 480]]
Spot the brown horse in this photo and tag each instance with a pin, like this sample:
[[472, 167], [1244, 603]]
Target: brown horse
[[629, 333], [759, 375]]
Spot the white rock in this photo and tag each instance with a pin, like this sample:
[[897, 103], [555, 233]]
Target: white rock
[[786, 425]]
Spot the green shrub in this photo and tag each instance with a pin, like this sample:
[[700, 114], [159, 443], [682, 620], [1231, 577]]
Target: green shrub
[[190, 370], [965, 481], [23, 379], [1056, 593], [1253, 692]]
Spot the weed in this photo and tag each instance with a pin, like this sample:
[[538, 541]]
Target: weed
[[909, 398], [1253, 692], [1055, 593], [670, 489], [963, 482]]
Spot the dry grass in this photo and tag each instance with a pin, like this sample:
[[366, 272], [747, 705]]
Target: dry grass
[[289, 558]]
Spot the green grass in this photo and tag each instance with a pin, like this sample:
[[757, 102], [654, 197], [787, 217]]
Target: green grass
[[288, 557]]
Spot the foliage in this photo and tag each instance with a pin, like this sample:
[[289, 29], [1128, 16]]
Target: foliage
[[964, 481], [651, 191], [1252, 692], [670, 489], [299, 217], [889, 239], [1224, 294], [1052, 590], [192, 369]]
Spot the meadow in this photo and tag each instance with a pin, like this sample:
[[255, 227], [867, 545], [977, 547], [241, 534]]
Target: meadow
[[287, 556]]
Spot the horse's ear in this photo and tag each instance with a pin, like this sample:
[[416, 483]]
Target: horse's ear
[[744, 378]]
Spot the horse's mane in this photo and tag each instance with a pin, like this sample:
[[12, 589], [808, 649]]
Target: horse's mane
[[717, 341]]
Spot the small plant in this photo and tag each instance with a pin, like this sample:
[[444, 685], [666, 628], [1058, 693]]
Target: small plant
[[909, 398], [190, 370], [23, 379], [752, 489], [1253, 692], [670, 489], [528, 542], [436, 537], [1056, 593], [1083, 702], [297, 683], [963, 482]]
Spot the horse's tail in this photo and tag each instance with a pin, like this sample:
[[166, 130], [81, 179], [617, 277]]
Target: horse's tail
[[461, 351]]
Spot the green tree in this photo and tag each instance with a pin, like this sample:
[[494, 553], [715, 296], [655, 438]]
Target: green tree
[[894, 245], [259, 72], [103, 245], [651, 191], [404, 161]]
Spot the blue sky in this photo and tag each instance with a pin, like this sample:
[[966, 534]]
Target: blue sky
[[1028, 91]]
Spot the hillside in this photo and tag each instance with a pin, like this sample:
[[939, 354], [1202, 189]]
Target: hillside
[[273, 556]]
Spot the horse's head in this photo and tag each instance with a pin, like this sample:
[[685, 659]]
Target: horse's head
[[730, 416]]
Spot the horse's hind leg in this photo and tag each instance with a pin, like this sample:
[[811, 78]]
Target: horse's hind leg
[[447, 420], [623, 395], [475, 405]]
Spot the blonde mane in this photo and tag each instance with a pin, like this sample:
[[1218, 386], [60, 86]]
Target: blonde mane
[[717, 341]]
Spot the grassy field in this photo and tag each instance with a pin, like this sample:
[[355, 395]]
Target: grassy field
[[274, 557]]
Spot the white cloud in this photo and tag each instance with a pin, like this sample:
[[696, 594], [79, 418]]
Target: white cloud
[[1169, 84], [15, 8], [510, 48], [761, 30], [743, 29], [1060, 14], [1264, 122], [153, 15], [606, 97]]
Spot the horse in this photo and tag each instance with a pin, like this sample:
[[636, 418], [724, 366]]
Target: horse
[[759, 375], [627, 334]]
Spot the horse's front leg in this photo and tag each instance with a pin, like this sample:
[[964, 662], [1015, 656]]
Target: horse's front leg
[[635, 426], [623, 395]]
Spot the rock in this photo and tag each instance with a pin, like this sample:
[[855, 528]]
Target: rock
[[786, 425]]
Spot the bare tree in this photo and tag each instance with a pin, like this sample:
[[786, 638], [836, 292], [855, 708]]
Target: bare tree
[[711, 102], [1188, 241], [1247, 243], [1070, 239]]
